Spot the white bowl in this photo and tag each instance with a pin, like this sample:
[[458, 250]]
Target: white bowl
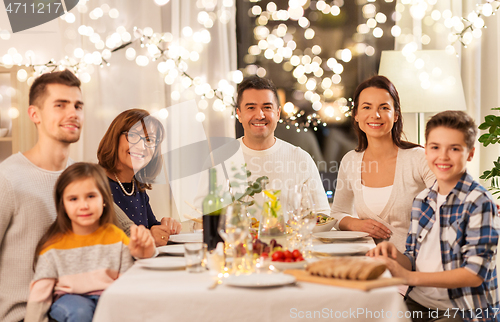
[[324, 227], [3, 132], [289, 265]]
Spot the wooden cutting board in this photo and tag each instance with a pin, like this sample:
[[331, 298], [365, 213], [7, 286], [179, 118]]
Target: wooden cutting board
[[304, 276]]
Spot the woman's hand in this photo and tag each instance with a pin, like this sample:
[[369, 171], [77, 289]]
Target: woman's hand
[[384, 249], [374, 228], [173, 226], [160, 235], [141, 243], [162, 232]]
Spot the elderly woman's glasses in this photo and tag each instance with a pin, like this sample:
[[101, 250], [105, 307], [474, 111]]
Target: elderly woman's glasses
[[133, 138]]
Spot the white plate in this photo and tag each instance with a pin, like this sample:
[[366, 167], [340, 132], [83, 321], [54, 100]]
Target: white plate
[[187, 238], [162, 263], [289, 265], [339, 235], [171, 249], [341, 249], [259, 280]]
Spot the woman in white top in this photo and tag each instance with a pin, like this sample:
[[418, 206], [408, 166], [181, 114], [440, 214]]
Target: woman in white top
[[382, 176]]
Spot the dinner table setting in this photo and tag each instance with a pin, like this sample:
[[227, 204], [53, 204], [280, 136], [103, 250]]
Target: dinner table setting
[[307, 271]]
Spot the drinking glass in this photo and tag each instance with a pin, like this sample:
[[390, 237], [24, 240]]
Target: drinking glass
[[234, 224], [193, 253], [293, 210], [307, 220]]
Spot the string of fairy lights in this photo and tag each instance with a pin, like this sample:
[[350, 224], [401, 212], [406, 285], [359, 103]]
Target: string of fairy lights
[[317, 76]]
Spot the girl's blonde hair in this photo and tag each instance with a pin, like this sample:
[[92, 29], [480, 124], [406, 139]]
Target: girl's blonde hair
[[62, 225]]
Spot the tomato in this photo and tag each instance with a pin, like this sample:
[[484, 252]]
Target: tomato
[[296, 254], [264, 254], [288, 254], [299, 259], [278, 256], [288, 260]]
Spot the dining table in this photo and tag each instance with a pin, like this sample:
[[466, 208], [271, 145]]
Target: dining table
[[153, 295]]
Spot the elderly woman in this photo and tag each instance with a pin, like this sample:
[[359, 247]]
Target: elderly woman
[[130, 154], [382, 176]]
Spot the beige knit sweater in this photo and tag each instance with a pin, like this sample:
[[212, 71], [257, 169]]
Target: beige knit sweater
[[26, 211], [412, 176]]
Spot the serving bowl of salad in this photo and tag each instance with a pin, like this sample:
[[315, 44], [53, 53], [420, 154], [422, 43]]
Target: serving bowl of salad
[[324, 223]]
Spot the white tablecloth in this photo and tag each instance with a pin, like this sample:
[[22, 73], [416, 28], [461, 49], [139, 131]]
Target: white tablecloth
[[152, 295]]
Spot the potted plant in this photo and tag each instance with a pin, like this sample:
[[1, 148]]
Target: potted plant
[[492, 124]]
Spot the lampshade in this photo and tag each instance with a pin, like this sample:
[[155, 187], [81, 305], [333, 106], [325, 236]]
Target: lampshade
[[430, 83]]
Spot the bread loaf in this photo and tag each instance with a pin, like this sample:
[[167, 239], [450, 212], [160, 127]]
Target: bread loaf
[[347, 268]]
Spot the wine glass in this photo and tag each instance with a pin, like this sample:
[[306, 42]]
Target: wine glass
[[307, 220], [234, 227], [292, 206]]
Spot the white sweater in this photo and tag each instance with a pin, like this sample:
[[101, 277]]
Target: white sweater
[[285, 164], [412, 176], [26, 211]]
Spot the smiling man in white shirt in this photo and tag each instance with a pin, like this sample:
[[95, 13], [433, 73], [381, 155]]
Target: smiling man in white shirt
[[258, 111]]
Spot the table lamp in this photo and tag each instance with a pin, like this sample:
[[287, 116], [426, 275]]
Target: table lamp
[[428, 81]]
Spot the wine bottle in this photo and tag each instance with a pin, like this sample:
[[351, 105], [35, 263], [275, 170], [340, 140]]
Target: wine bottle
[[211, 208], [211, 203]]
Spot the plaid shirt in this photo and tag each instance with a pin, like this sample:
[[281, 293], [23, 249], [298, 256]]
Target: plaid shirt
[[469, 237]]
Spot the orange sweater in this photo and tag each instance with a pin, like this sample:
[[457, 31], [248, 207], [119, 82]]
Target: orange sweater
[[77, 264]]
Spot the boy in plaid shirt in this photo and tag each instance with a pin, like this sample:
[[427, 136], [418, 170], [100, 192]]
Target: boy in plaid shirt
[[450, 257]]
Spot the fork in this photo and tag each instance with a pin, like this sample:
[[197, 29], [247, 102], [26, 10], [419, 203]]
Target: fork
[[214, 285]]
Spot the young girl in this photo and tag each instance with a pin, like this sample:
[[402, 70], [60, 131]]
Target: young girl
[[82, 253]]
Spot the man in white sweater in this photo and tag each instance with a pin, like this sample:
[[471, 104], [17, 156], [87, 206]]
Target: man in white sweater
[[258, 111], [27, 182]]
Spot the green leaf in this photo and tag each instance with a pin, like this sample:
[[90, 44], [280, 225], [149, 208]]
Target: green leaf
[[484, 126], [273, 212], [485, 175], [239, 176], [234, 184], [490, 119], [485, 139], [495, 108], [248, 203]]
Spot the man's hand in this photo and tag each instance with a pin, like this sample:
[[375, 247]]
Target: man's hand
[[141, 243]]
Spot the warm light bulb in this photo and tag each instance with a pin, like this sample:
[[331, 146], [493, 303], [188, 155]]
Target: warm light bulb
[[161, 2]]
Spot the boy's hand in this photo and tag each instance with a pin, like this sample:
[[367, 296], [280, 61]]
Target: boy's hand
[[398, 270], [141, 242], [384, 249]]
